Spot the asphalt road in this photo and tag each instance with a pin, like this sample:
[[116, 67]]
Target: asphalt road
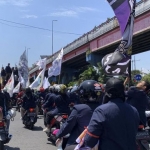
[[25, 139]]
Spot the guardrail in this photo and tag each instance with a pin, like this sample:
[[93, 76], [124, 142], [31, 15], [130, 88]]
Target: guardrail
[[110, 24]]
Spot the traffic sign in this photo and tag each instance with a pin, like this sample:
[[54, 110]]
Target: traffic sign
[[138, 77]]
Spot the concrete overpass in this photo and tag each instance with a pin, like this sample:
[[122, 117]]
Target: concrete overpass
[[104, 39]]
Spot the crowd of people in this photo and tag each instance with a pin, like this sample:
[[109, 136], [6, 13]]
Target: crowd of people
[[6, 73], [110, 114]]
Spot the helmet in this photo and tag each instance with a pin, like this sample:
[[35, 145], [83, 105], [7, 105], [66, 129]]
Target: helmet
[[57, 87], [89, 90], [63, 88], [89, 86], [42, 89], [74, 89], [28, 90], [114, 88], [11, 114]]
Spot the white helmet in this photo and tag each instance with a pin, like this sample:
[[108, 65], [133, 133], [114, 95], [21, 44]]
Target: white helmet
[[11, 114]]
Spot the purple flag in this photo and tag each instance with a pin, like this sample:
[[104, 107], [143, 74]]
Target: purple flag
[[122, 10], [125, 12]]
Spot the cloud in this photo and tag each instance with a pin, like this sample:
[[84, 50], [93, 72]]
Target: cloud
[[30, 16], [20, 3], [64, 13], [85, 9], [74, 12]]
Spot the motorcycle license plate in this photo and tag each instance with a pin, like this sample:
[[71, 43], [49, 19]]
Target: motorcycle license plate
[[31, 114]]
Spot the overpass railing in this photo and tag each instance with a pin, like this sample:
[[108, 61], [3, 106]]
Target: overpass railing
[[110, 24]]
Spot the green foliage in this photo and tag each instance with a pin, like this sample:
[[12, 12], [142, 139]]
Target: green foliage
[[102, 78], [146, 77], [72, 83], [91, 73]]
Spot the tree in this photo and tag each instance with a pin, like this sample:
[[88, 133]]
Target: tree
[[146, 77], [102, 78]]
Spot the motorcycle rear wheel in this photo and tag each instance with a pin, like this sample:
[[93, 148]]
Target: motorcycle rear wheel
[[31, 126], [1, 145]]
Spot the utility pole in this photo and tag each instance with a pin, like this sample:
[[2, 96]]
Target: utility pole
[[134, 63], [52, 37]]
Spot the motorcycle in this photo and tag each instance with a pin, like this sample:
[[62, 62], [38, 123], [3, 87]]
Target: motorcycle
[[4, 135], [18, 104], [143, 138], [39, 103], [55, 124], [30, 118]]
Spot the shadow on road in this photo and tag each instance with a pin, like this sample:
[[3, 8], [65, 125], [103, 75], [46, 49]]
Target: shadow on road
[[37, 128], [11, 148]]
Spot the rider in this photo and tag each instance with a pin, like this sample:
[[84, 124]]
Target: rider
[[114, 124], [61, 105], [29, 100], [49, 103], [5, 105], [80, 115], [137, 97]]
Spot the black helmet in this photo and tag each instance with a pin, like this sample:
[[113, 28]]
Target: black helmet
[[74, 89], [28, 90], [89, 90], [114, 88], [89, 86]]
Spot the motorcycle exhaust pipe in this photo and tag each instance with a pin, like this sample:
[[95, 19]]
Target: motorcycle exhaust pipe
[[10, 136]]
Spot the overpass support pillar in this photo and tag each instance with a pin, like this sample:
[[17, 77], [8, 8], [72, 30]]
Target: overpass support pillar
[[93, 58], [67, 75]]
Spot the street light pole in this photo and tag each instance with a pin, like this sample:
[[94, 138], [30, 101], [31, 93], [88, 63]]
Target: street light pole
[[52, 35]]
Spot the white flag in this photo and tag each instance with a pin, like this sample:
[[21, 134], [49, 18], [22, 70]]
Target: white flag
[[17, 88], [10, 85], [41, 63], [28, 83], [46, 83], [23, 68], [55, 69], [21, 80], [38, 81]]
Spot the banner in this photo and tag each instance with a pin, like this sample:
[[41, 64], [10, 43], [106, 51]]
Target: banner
[[41, 63], [23, 68], [125, 12], [38, 81], [46, 83], [21, 80], [28, 83], [55, 69], [10, 85], [17, 88]]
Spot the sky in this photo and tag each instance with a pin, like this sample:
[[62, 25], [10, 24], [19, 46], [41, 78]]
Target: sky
[[74, 18]]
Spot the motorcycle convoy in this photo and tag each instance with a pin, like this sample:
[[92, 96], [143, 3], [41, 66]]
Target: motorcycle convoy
[[30, 118]]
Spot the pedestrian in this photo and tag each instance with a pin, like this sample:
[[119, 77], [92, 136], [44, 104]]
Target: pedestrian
[[8, 71], [3, 75], [137, 97], [114, 124]]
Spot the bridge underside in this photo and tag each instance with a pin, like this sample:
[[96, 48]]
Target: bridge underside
[[141, 43], [77, 62]]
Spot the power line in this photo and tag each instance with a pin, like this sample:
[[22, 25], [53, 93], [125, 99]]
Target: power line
[[36, 27], [12, 25]]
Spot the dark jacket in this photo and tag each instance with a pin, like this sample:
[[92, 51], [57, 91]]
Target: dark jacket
[[4, 103], [139, 100], [50, 102], [3, 73], [62, 103], [116, 124], [8, 69], [78, 119], [29, 101]]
